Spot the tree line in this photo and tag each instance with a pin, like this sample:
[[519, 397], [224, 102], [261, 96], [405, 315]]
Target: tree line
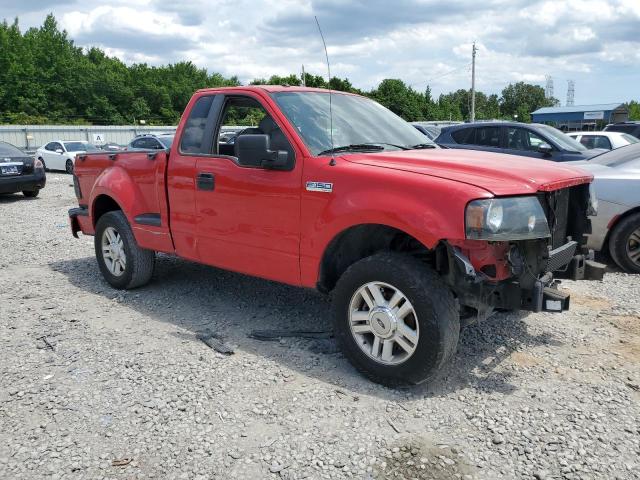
[[46, 78]]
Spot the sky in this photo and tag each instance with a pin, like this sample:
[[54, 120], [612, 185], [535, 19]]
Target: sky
[[595, 43]]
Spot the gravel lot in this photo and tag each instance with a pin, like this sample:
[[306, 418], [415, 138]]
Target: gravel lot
[[96, 383]]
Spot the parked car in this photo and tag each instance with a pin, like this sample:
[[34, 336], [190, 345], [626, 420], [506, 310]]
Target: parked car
[[410, 239], [20, 172], [431, 131], [604, 140], [632, 128], [112, 147], [160, 141], [61, 154], [525, 139], [616, 228]]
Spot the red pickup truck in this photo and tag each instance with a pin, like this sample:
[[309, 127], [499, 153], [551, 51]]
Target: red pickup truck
[[333, 191]]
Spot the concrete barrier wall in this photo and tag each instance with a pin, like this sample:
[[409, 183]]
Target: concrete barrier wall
[[30, 137]]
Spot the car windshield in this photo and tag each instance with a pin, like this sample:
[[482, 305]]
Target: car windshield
[[619, 156], [80, 147], [166, 140], [357, 121], [8, 150], [565, 142]]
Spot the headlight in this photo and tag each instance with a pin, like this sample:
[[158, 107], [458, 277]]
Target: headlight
[[514, 218]]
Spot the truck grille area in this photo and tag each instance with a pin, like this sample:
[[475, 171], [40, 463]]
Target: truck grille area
[[566, 211]]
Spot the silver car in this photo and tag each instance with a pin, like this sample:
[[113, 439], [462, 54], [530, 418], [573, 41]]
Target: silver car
[[616, 228]]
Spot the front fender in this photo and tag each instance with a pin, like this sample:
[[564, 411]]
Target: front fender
[[427, 208]]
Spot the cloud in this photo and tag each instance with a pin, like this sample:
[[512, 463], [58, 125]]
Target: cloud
[[424, 42]]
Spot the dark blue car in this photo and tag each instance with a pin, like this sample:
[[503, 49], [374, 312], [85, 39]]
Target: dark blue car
[[526, 139]]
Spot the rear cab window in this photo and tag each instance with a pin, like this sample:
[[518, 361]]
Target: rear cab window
[[194, 139]]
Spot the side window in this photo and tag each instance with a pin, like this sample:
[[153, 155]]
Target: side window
[[249, 114], [140, 143], [523, 139], [50, 147], [57, 146], [464, 136], [193, 136], [601, 141], [488, 136], [588, 141]]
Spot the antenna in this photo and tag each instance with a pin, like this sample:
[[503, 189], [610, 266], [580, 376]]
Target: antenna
[[571, 89], [326, 54]]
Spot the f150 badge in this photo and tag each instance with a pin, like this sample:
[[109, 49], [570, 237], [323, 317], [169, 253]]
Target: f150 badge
[[319, 187]]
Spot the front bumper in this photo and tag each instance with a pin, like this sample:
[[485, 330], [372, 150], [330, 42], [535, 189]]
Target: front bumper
[[22, 183], [525, 291]]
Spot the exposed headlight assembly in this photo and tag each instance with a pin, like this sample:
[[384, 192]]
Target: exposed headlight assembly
[[512, 218]]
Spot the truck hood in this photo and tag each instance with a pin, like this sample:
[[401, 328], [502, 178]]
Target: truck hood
[[497, 173]]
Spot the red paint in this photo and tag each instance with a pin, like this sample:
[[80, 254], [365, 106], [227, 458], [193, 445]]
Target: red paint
[[265, 223]]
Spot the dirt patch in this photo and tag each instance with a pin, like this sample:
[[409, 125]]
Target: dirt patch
[[415, 458], [524, 359], [628, 343], [592, 303]]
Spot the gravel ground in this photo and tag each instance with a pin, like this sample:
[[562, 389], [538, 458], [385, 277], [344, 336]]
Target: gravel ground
[[96, 383]]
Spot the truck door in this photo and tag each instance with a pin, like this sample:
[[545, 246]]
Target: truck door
[[247, 218]]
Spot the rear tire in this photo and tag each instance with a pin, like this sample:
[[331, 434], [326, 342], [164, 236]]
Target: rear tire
[[31, 193], [44, 165], [122, 262], [624, 244], [433, 322], [68, 166]]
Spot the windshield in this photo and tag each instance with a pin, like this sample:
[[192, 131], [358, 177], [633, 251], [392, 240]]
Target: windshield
[[80, 147], [356, 121], [166, 140], [8, 150], [619, 156], [565, 142]]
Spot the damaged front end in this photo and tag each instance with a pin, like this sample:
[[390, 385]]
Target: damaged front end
[[517, 247]]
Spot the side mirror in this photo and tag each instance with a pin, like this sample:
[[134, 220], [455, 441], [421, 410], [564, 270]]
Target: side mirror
[[253, 151], [59, 150], [545, 149]]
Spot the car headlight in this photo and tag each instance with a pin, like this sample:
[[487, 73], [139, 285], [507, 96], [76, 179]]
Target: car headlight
[[513, 218]]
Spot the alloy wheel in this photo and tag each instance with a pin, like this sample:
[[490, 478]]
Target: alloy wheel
[[384, 323], [113, 252]]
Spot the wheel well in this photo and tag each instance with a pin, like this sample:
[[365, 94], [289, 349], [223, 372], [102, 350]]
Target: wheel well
[[102, 205], [362, 241], [605, 245]]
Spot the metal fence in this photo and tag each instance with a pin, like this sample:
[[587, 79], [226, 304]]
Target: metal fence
[[30, 137]]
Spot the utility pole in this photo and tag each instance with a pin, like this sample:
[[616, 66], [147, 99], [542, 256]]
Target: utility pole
[[473, 82], [303, 79]]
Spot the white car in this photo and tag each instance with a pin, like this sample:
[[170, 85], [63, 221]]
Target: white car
[[608, 140], [60, 154]]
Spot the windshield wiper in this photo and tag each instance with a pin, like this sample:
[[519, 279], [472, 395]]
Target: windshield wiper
[[356, 147], [420, 146]]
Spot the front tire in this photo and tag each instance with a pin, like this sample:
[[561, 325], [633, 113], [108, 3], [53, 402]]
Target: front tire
[[31, 193], [395, 319], [624, 244], [122, 262], [68, 166]]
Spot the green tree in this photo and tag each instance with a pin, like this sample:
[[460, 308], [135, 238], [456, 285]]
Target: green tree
[[634, 110], [521, 99]]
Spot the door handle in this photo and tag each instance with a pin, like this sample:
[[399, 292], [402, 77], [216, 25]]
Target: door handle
[[205, 181]]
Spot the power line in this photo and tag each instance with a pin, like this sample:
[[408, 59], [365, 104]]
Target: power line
[[442, 75]]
